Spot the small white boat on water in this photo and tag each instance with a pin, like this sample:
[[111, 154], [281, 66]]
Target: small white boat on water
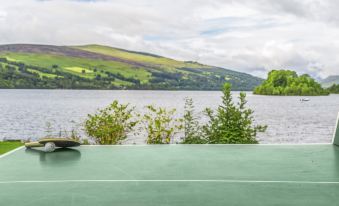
[[304, 99]]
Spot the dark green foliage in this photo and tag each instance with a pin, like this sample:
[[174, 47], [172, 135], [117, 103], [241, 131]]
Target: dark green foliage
[[212, 80], [111, 124], [231, 123], [192, 128], [287, 82], [334, 89]]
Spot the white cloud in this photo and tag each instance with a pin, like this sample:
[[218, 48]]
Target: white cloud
[[252, 36]]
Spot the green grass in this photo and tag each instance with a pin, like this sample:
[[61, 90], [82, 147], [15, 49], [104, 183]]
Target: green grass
[[42, 74], [79, 70], [8, 146], [165, 63], [72, 65]]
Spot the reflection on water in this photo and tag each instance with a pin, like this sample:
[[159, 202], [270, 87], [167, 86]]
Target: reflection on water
[[60, 157]]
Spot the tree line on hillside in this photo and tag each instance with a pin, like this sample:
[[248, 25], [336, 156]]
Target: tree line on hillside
[[287, 82]]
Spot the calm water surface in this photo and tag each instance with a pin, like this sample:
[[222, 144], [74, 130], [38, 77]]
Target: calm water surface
[[24, 113]]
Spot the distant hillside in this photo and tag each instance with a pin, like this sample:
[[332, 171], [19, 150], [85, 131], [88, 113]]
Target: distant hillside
[[102, 67], [329, 81]]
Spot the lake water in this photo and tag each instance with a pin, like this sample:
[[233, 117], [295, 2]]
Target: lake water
[[24, 113]]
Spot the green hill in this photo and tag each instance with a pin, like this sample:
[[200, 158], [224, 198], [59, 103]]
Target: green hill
[[334, 89], [102, 67], [329, 81]]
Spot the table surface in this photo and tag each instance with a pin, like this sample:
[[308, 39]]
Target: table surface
[[172, 175]]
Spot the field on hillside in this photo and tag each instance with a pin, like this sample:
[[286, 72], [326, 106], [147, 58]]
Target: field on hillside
[[165, 63], [102, 67]]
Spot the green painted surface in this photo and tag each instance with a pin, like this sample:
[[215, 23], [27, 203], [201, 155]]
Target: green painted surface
[[173, 175], [336, 133]]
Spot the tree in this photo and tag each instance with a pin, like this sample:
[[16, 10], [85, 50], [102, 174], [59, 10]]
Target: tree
[[286, 82], [161, 125], [111, 124], [231, 123]]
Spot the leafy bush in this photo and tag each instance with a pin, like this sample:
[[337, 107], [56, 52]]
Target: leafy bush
[[231, 123], [111, 124], [193, 134], [161, 125]]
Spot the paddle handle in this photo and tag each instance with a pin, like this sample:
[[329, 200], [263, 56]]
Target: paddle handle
[[33, 144]]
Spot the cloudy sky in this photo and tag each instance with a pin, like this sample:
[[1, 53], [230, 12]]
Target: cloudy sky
[[252, 36]]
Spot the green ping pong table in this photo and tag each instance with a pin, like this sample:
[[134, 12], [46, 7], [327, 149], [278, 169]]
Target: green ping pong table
[[172, 175]]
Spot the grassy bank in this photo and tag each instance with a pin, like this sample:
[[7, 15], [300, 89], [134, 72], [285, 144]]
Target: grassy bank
[[8, 146]]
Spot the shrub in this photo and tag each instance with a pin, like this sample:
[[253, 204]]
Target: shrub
[[231, 123], [111, 124], [192, 133], [161, 125]]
